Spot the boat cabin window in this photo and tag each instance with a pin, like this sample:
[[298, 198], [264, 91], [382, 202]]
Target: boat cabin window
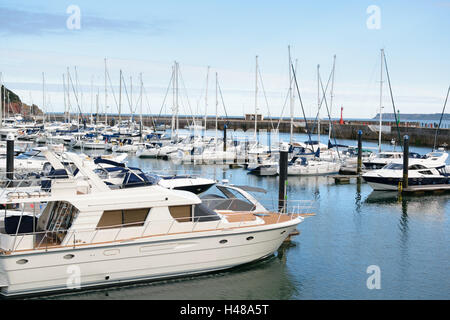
[[57, 215], [417, 167], [181, 213], [203, 214], [427, 172], [123, 218]]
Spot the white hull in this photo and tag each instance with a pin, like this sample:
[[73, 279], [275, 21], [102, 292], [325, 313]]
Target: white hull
[[24, 165], [147, 153], [125, 148], [314, 170], [143, 259], [264, 169], [94, 146], [382, 186]]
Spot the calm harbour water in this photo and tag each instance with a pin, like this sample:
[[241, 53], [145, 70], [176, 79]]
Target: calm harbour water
[[354, 227]]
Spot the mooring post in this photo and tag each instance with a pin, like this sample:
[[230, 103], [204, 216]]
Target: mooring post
[[284, 150], [10, 159], [405, 161], [224, 137], [359, 165]]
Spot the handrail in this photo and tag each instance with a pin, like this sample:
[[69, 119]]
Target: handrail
[[69, 233]]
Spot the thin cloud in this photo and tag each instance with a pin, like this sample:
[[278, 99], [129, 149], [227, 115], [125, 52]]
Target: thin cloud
[[443, 4], [21, 22]]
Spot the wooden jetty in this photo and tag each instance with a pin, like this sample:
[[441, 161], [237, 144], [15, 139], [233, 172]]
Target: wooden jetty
[[434, 188]]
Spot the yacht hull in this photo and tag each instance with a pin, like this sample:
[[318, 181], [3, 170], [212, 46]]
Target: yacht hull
[[138, 260], [382, 183], [264, 170], [316, 170]]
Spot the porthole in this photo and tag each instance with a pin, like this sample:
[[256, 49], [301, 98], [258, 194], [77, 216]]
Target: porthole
[[283, 232], [250, 238], [223, 241], [22, 261], [107, 278], [68, 256]]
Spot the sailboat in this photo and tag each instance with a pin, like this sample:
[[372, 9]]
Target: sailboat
[[315, 165]]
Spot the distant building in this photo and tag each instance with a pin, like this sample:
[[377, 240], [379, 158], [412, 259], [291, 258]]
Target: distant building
[[251, 117]]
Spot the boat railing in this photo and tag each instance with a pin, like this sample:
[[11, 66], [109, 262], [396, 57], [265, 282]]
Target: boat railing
[[14, 188], [63, 238], [298, 207], [174, 173]]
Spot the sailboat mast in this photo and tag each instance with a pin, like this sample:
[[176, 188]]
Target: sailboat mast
[[69, 106], [106, 97], [43, 96], [331, 97], [318, 104], [291, 98], [131, 99], [120, 99], [206, 99], [64, 94], [97, 104], [176, 98], [172, 125], [381, 100], [217, 104], [92, 98], [80, 105], [2, 95], [256, 97], [142, 97]]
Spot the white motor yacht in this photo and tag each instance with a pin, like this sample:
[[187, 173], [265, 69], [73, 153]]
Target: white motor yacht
[[389, 177], [88, 235], [384, 158]]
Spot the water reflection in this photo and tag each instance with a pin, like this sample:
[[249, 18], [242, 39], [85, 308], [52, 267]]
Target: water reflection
[[358, 195], [265, 279], [421, 206]]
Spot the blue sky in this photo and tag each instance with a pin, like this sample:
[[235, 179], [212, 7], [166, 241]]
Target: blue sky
[[147, 36]]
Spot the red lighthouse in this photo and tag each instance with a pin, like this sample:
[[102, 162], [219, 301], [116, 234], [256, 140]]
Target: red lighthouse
[[342, 120]]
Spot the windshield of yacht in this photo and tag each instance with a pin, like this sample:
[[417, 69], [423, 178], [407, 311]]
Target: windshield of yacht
[[386, 155], [394, 166], [233, 200], [30, 154], [434, 154]]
